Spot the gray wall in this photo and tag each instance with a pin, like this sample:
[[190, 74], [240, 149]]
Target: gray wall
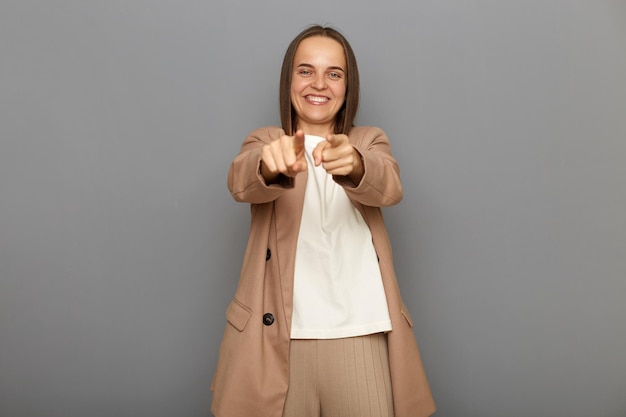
[[120, 246]]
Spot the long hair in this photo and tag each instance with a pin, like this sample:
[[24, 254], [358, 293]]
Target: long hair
[[344, 120]]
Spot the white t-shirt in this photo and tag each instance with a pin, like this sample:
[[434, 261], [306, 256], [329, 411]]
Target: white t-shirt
[[338, 289]]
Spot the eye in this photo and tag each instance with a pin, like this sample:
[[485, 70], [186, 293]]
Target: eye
[[335, 75], [304, 72]]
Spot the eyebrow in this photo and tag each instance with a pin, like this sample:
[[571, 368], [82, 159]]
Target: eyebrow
[[329, 68]]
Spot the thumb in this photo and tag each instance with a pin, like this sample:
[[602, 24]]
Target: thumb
[[332, 140]]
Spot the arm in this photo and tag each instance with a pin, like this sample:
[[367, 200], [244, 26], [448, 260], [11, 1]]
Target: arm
[[380, 183], [266, 165]]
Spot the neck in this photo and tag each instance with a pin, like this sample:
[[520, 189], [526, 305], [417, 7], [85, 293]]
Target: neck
[[315, 130]]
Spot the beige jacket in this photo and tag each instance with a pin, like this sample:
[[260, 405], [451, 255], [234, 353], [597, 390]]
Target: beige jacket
[[252, 374]]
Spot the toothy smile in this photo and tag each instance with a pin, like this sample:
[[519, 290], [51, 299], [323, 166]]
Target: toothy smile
[[317, 99]]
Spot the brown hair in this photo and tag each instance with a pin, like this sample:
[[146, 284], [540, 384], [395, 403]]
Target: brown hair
[[344, 120]]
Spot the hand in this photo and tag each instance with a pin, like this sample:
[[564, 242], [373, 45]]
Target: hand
[[339, 157], [284, 155]]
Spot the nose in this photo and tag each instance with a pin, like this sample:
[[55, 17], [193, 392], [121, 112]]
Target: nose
[[319, 83]]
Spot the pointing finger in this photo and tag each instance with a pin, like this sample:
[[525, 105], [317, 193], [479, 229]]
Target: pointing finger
[[336, 140], [318, 151], [298, 140]]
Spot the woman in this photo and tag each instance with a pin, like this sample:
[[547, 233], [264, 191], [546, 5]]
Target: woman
[[317, 326]]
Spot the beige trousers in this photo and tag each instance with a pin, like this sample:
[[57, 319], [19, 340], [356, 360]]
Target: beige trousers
[[346, 377]]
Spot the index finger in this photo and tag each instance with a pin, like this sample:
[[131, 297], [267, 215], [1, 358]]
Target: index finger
[[318, 150], [336, 140], [298, 141]]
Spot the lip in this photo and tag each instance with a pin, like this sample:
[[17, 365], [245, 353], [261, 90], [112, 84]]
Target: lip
[[316, 100]]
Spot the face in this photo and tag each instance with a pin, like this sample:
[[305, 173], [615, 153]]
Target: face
[[318, 84]]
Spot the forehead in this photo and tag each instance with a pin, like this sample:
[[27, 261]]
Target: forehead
[[320, 50]]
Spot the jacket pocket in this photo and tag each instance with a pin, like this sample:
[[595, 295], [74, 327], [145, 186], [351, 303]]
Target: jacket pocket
[[238, 315], [407, 316]]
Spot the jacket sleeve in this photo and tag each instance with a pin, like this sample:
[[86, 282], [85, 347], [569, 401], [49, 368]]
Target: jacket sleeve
[[245, 182], [380, 185]]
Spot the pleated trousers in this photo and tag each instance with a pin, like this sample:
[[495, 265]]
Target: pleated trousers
[[346, 377]]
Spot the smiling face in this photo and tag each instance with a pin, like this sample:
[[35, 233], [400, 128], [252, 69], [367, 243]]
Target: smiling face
[[318, 84]]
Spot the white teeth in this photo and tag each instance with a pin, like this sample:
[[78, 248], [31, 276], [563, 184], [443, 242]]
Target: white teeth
[[317, 99]]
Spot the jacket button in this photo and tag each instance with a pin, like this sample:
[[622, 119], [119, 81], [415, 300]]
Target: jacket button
[[268, 254], [268, 319]]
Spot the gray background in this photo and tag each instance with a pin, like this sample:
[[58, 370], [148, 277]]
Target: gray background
[[120, 246]]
